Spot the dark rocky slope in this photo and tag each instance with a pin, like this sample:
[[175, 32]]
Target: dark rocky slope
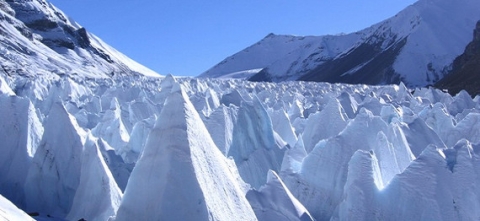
[[465, 74]]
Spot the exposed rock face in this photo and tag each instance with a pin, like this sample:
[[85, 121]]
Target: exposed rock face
[[465, 74], [41, 20], [37, 38], [372, 65], [368, 61], [37, 16]]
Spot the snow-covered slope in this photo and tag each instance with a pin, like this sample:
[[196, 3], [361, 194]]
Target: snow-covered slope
[[8, 211], [38, 39], [274, 50], [233, 149], [416, 46]]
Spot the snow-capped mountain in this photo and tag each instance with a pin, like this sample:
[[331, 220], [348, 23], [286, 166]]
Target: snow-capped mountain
[[417, 46], [37, 38]]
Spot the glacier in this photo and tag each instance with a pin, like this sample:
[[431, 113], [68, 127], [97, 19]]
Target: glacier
[[87, 133], [130, 147]]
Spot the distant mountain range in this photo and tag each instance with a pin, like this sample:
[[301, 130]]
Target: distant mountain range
[[417, 46], [37, 39]]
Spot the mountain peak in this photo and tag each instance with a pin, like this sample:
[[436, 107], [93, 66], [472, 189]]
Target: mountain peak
[[416, 46]]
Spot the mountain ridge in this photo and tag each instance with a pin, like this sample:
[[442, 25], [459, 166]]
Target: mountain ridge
[[416, 46], [38, 38]]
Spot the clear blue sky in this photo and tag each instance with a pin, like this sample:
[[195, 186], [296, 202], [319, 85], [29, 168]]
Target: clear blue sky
[[186, 37]]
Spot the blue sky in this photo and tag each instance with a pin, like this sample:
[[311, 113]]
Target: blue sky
[[186, 37]]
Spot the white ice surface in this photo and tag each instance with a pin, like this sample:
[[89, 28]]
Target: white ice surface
[[273, 201], [182, 175], [64, 125], [8, 211]]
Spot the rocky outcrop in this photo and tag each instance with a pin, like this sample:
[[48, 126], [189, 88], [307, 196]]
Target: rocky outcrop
[[38, 38], [370, 64], [37, 16], [465, 74]]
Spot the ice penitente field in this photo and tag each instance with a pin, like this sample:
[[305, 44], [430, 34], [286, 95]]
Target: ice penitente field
[[199, 149], [87, 133]]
